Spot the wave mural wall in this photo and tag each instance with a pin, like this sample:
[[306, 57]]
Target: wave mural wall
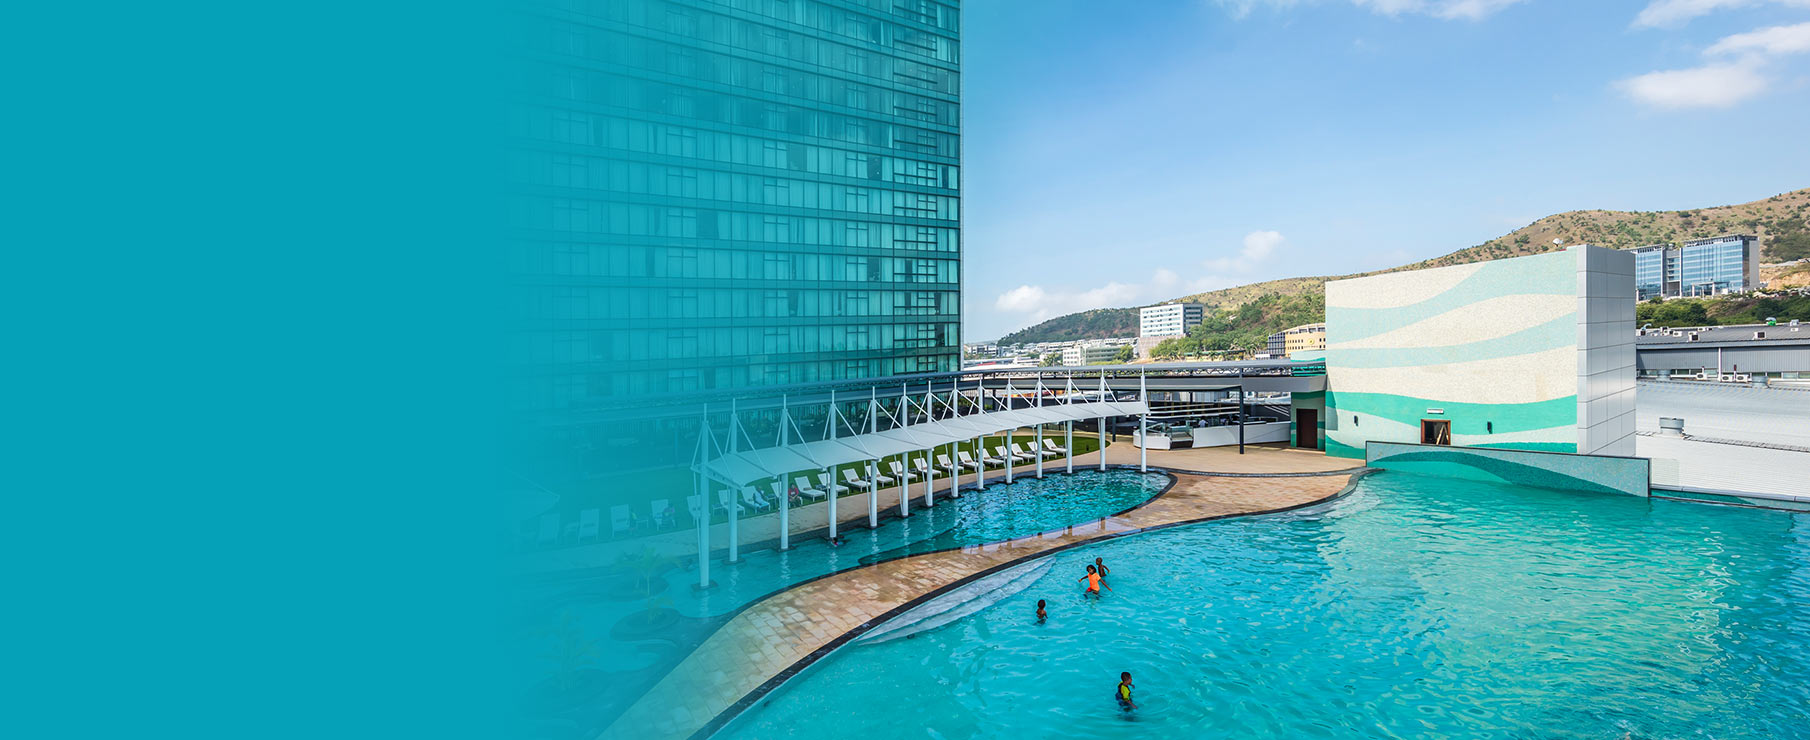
[[1531, 353]]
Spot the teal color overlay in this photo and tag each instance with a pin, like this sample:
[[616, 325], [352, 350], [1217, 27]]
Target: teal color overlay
[[253, 287]]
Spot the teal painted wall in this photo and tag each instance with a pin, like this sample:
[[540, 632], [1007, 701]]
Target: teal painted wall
[[1490, 347]]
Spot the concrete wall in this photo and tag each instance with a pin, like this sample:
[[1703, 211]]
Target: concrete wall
[[1531, 353], [1596, 474]]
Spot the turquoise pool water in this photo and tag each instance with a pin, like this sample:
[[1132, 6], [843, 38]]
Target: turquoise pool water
[[1415, 607], [586, 607]]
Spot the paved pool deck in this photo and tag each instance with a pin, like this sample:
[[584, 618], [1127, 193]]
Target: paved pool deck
[[779, 635], [851, 511]]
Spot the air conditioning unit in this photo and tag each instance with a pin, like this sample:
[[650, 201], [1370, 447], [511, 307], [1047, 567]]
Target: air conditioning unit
[[1759, 335], [1693, 337]]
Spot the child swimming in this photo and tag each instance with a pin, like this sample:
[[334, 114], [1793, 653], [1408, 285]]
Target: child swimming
[[1123, 693], [1093, 582], [1104, 571], [1041, 614]]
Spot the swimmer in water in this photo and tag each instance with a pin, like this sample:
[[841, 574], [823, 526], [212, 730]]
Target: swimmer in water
[[1093, 582], [1104, 571], [1041, 613], [1123, 693]]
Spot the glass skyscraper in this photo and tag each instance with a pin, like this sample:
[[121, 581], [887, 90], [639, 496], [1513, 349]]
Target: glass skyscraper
[[717, 194], [1702, 267]]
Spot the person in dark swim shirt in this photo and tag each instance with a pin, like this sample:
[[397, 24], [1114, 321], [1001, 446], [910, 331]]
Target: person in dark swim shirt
[[1123, 692], [1041, 613]]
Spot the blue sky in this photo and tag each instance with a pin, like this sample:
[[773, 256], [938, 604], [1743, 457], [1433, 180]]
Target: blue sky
[[1122, 153]]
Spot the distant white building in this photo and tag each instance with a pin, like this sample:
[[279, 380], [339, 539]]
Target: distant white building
[[1091, 353], [1169, 319]]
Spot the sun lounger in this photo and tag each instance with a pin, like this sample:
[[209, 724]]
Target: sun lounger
[[1053, 447], [900, 471], [1000, 451], [993, 459], [549, 530], [1018, 448], [753, 499], [967, 460], [723, 502], [942, 463], [922, 467], [657, 514], [848, 474], [833, 486]]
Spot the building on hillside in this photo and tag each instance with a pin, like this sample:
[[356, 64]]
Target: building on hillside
[[725, 195], [1533, 353], [1277, 346], [1701, 267], [1169, 319], [1304, 338], [1091, 353]]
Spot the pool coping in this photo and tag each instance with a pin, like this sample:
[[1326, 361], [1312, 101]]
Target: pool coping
[[735, 710]]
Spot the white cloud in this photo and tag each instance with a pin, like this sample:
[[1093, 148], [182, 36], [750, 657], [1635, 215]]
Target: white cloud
[[1447, 9], [1259, 246], [1663, 13], [1776, 40], [1720, 84], [1035, 303], [1711, 86]]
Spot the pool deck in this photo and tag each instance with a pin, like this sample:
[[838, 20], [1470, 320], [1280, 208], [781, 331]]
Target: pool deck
[[851, 511], [781, 634]]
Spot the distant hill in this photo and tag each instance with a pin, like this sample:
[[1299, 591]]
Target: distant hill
[[1782, 222]]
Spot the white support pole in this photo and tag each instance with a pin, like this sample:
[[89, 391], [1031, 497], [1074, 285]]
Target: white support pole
[[703, 493], [955, 447], [733, 506], [1068, 444], [829, 481], [1037, 446], [873, 478], [980, 455], [1008, 448], [1102, 426], [785, 479], [1144, 425]]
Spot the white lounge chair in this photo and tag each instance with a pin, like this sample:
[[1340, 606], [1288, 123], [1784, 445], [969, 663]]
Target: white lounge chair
[[992, 459], [1053, 447], [833, 486], [900, 471], [967, 460], [589, 521], [881, 477], [923, 467], [1018, 448], [549, 530], [723, 501], [656, 512], [942, 463], [753, 499], [848, 474], [1018, 456]]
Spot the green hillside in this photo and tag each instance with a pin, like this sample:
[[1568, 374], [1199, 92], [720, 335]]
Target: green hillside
[[1782, 222]]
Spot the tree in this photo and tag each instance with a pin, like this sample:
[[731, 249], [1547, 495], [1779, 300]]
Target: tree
[[1125, 354], [1050, 359]]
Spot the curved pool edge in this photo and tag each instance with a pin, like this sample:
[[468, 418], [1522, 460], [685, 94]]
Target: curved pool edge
[[742, 705]]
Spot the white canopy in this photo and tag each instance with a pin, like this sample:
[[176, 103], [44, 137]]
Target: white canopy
[[743, 468]]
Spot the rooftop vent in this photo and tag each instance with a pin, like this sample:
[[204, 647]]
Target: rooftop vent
[[1759, 335], [1693, 337], [1671, 426]]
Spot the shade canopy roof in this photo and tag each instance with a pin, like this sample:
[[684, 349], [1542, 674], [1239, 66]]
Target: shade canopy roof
[[743, 468]]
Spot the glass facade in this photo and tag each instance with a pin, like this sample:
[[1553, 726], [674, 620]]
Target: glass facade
[[717, 194], [1723, 264]]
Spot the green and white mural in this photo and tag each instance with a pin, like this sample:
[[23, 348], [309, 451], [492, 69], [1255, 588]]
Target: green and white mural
[[1491, 354]]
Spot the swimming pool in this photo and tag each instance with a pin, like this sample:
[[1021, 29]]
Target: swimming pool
[[1414, 607], [590, 607]]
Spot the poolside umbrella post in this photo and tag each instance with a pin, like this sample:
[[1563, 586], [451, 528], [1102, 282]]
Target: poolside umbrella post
[[955, 409], [785, 479]]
